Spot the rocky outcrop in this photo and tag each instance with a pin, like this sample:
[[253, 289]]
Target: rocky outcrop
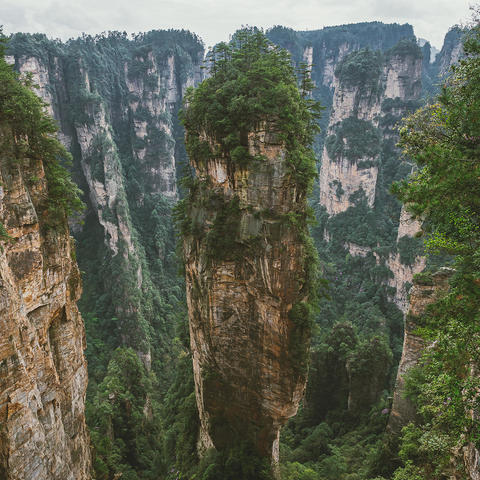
[[363, 104], [471, 459], [403, 273], [451, 52], [424, 292], [248, 353], [43, 372], [116, 102]]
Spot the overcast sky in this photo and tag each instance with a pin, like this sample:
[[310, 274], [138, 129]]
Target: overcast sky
[[215, 20]]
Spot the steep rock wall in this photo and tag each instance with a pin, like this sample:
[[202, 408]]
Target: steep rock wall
[[403, 272], [116, 101], [422, 295], [43, 372], [248, 355], [361, 98]]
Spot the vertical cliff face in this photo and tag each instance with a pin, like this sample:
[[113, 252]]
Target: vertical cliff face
[[248, 260], [424, 292], [324, 49], [116, 101], [373, 90], [370, 93], [43, 372], [451, 52], [248, 377], [407, 260]]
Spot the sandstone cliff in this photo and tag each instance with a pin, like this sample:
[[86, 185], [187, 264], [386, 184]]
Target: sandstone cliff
[[422, 294], [366, 104], [116, 101], [250, 265], [43, 372], [248, 354]]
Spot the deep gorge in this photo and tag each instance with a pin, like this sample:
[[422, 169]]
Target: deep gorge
[[116, 100]]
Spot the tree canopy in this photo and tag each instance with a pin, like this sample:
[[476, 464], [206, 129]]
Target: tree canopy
[[444, 141], [252, 80]]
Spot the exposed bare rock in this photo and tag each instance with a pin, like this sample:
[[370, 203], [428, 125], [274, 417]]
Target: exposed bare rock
[[421, 296], [399, 80], [351, 179], [402, 276], [246, 350], [40, 77], [43, 373], [452, 51], [357, 250], [407, 225], [471, 459], [403, 77]]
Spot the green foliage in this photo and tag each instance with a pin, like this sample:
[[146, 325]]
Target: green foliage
[[354, 139], [33, 140], [406, 48], [297, 471], [443, 140], [4, 236], [409, 248], [124, 405], [239, 463], [252, 85], [361, 68], [423, 278]]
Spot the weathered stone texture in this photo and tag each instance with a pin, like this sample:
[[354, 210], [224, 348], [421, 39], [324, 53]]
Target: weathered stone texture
[[421, 296], [246, 375], [400, 79], [43, 372]]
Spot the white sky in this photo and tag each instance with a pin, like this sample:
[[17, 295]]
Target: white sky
[[215, 20]]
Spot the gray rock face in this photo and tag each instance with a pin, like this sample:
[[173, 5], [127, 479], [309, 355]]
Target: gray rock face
[[421, 296], [400, 80], [116, 101]]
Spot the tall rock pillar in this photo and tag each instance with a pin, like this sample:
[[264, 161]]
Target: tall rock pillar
[[248, 258]]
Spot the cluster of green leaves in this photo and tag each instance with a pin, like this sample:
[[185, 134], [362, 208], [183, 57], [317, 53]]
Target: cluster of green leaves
[[361, 68], [409, 248], [326, 440], [406, 48], [123, 415], [252, 85], [354, 139], [32, 140], [444, 140]]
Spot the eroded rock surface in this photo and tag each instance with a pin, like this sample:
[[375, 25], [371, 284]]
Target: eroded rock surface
[[368, 104], [248, 355], [43, 372], [421, 296]]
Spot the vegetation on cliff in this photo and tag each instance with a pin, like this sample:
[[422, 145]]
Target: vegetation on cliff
[[30, 136], [444, 140], [252, 82], [253, 97], [101, 87], [145, 424]]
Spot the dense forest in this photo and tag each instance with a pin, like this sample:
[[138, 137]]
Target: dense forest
[[123, 104]]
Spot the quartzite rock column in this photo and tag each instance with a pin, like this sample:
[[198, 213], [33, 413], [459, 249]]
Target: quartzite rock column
[[245, 271]]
